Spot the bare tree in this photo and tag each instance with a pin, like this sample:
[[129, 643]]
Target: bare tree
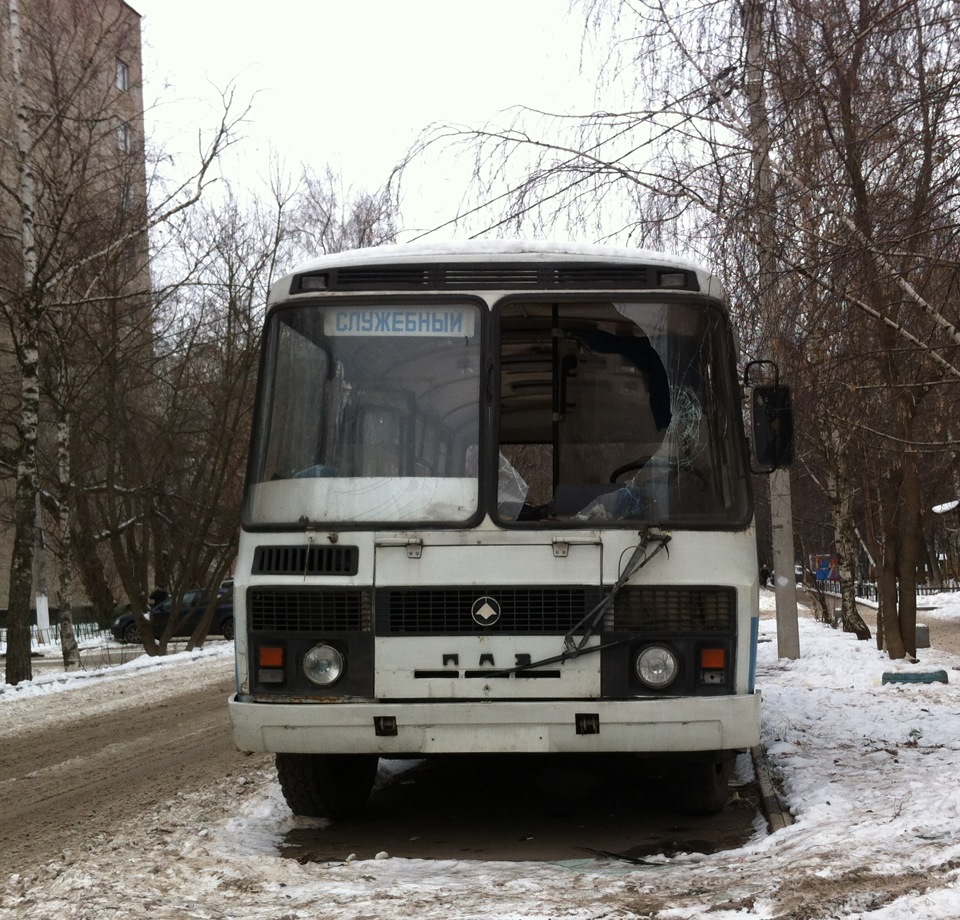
[[331, 217], [182, 505], [212, 323], [854, 227], [60, 227]]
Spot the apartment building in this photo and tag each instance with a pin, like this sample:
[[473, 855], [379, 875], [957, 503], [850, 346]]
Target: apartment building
[[72, 182]]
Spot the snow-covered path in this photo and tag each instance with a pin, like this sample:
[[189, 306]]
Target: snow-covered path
[[870, 769]]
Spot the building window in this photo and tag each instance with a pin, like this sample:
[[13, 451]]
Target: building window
[[123, 75], [124, 138]]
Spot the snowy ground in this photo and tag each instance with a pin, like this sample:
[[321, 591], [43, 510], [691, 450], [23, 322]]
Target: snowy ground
[[870, 771]]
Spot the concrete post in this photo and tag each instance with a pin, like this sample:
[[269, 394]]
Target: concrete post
[[785, 584]]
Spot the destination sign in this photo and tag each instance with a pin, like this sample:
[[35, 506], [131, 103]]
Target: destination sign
[[400, 321]]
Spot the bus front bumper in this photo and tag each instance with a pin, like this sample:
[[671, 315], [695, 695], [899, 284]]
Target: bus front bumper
[[566, 726]]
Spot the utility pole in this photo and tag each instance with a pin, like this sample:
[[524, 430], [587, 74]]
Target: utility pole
[[781, 512], [784, 582]]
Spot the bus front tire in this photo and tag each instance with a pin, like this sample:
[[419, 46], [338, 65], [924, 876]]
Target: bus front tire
[[326, 785], [703, 785]]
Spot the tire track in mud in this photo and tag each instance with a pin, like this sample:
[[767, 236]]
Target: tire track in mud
[[61, 788]]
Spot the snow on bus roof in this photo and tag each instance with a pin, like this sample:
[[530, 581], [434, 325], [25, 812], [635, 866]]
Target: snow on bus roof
[[538, 250]]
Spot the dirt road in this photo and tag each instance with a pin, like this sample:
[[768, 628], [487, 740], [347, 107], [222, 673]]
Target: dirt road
[[530, 808], [70, 776], [73, 776], [65, 782]]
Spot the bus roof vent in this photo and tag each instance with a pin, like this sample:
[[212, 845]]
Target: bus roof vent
[[611, 275], [377, 277], [602, 276], [474, 275], [513, 276]]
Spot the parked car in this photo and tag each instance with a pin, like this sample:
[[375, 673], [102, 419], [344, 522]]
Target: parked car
[[125, 628]]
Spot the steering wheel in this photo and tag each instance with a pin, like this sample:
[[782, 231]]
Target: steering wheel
[[628, 467], [666, 466]]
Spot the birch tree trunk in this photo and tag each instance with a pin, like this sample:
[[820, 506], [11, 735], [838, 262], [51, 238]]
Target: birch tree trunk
[[840, 488], [68, 638], [19, 667]]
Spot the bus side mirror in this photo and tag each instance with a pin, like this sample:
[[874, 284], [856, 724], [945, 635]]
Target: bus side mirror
[[772, 412]]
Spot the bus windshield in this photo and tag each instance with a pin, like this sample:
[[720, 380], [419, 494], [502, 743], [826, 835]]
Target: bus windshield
[[618, 413], [368, 413], [622, 413]]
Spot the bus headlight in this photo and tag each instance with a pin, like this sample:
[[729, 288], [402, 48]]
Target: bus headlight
[[657, 667], [323, 665]]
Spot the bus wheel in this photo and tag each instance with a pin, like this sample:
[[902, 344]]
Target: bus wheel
[[703, 785], [326, 785]]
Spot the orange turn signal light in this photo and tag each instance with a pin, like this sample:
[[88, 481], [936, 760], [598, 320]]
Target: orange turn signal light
[[713, 658], [270, 656]]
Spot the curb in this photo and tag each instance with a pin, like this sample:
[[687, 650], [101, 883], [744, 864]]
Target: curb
[[777, 815]]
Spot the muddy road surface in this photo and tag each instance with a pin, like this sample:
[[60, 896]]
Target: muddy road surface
[[66, 782], [527, 808], [81, 772]]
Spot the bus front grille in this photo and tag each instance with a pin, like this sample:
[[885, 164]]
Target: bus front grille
[[673, 610], [309, 610], [444, 611], [306, 559]]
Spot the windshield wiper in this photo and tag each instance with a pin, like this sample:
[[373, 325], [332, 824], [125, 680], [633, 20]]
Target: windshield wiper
[[637, 561], [573, 649]]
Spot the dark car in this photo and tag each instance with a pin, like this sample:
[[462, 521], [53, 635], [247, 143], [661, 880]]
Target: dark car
[[194, 605]]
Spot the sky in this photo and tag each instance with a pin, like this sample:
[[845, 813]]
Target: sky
[[352, 84], [869, 771]]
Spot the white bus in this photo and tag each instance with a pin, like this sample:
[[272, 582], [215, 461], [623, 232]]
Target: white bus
[[498, 501]]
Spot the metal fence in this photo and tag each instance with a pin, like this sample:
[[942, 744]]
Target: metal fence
[[868, 589], [40, 638]]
